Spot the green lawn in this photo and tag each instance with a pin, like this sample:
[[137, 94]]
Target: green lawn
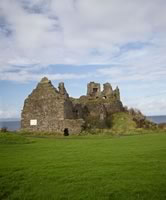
[[91, 167]]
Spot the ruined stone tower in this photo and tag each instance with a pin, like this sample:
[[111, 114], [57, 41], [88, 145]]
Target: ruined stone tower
[[93, 89]]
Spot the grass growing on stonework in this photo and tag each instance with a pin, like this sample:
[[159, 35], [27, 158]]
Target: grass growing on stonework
[[89, 167]]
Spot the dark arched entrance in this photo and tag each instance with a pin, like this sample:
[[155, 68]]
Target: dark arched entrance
[[66, 132]]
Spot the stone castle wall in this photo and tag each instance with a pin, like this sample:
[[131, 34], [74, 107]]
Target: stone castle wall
[[49, 109]]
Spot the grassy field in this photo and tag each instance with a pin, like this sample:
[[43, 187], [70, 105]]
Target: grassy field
[[91, 167]]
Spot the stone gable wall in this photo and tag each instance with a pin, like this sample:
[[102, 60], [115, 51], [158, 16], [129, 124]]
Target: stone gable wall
[[48, 107]]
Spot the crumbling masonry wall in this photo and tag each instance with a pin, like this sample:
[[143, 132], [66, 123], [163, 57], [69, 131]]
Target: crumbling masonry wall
[[48, 109]]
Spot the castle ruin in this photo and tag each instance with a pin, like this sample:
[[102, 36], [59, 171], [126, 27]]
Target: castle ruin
[[48, 109]]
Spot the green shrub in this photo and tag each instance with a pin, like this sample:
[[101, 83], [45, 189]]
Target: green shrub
[[4, 129]]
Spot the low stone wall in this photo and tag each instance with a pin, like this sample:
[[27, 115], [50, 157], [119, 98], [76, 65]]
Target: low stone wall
[[74, 126]]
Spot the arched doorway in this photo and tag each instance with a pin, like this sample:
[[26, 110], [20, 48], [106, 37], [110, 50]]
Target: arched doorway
[[66, 132]]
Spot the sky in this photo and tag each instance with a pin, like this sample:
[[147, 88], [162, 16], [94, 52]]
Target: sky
[[77, 41]]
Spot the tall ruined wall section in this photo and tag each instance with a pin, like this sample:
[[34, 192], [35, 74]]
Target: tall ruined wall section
[[97, 107], [42, 108], [47, 109]]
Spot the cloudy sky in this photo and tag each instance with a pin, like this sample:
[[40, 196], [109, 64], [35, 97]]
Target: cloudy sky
[[76, 41]]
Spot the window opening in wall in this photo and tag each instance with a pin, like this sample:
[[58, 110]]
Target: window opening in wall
[[76, 111], [94, 90]]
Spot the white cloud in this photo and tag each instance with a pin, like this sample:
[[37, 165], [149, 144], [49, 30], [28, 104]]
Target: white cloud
[[149, 105], [147, 64], [67, 32], [9, 113], [37, 33], [24, 76]]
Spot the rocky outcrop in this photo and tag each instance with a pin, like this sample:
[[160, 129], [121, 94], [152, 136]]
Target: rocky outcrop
[[140, 120]]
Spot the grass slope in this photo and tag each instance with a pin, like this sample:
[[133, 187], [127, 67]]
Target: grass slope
[[10, 138], [122, 123], [130, 167]]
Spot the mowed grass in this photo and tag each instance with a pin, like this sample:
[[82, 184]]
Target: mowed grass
[[91, 167]]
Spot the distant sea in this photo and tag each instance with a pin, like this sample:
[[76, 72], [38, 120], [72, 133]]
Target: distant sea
[[14, 125], [10, 125], [157, 119]]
